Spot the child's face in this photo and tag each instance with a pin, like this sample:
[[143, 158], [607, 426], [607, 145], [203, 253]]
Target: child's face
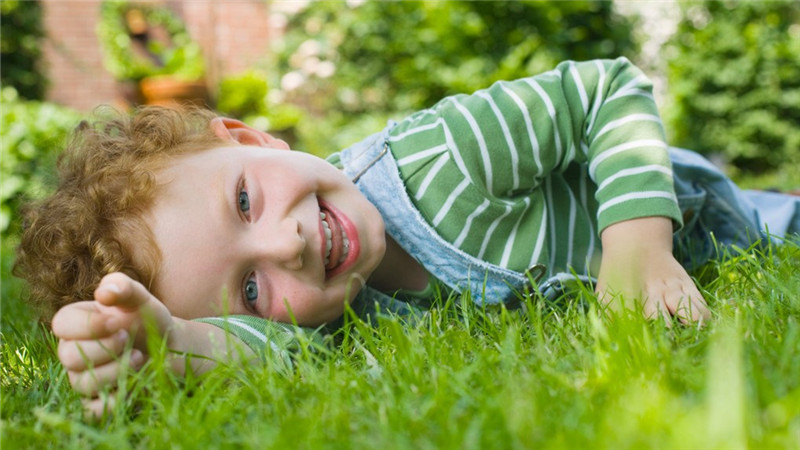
[[245, 223]]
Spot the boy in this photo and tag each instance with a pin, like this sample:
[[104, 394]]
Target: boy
[[483, 193]]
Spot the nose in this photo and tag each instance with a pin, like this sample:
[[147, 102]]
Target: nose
[[284, 245]]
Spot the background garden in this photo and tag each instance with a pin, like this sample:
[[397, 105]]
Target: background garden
[[551, 376]]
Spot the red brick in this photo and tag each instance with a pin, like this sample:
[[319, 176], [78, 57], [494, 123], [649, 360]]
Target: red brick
[[234, 35]]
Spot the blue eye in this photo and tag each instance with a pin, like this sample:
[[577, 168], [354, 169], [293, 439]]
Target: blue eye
[[251, 291], [244, 201]]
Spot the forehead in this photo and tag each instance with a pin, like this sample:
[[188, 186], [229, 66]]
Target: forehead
[[210, 156]]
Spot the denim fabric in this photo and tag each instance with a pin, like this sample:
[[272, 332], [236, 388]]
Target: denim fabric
[[711, 205], [714, 208], [380, 182]]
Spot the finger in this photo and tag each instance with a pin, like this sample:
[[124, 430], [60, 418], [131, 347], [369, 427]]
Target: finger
[[77, 355], [91, 381], [137, 300], [663, 312], [679, 306], [122, 291], [96, 408], [698, 312], [690, 306], [650, 308], [702, 307], [700, 304], [117, 289], [81, 321]]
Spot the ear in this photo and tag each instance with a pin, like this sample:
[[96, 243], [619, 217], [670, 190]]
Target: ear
[[238, 131]]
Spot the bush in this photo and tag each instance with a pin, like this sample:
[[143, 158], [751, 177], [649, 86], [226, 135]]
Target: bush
[[31, 136], [246, 96], [734, 74], [20, 47], [390, 58], [165, 46]]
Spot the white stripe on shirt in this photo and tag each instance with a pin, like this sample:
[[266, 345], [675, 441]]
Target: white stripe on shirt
[[513, 236], [528, 126], [422, 155], [490, 231], [635, 196], [635, 171], [572, 213], [468, 223], [432, 174], [551, 111], [601, 71], [629, 87], [451, 143], [576, 77], [552, 231], [512, 148], [416, 130], [622, 148], [476, 131], [449, 202], [610, 126]]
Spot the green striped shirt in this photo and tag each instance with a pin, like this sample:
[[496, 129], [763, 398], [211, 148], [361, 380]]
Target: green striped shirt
[[531, 171]]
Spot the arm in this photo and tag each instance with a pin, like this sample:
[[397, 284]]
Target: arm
[[625, 149], [94, 335], [615, 132], [638, 265], [577, 151]]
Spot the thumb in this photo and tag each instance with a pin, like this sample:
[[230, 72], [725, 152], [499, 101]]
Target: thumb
[[120, 290]]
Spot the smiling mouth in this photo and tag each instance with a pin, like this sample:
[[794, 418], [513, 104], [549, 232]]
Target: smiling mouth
[[337, 245]]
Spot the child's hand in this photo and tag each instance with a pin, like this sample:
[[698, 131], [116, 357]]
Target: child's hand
[[93, 336], [638, 264]]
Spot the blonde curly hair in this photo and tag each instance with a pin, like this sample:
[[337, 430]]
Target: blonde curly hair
[[93, 224]]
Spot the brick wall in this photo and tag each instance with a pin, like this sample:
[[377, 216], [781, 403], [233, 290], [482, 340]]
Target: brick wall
[[72, 55], [234, 35]]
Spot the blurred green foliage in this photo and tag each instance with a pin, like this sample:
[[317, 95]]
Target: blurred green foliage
[[20, 47], [31, 136], [243, 94], [403, 56], [734, 75], [166, 46], [246, 96], [351, 66]]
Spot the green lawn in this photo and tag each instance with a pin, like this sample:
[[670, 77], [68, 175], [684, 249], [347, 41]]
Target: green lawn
[[546, 377]]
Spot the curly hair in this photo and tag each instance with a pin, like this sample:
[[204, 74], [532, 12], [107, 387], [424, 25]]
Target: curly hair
[[93, 223]]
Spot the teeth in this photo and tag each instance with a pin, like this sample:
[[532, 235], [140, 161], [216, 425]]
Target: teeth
[[326, 228], [328, 242], [345, 249]]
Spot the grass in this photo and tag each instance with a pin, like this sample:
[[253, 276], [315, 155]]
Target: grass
[[546, 376]]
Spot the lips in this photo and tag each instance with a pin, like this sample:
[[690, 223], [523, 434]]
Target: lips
[[340, 240]]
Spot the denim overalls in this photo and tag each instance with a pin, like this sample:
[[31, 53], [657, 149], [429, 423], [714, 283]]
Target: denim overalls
[[709, 202]]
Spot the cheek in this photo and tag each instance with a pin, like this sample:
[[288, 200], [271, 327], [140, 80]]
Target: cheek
[[300, 303]]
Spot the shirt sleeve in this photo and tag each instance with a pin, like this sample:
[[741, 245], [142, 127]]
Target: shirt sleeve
[[269, 339], [510, 138], [622, 140]]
